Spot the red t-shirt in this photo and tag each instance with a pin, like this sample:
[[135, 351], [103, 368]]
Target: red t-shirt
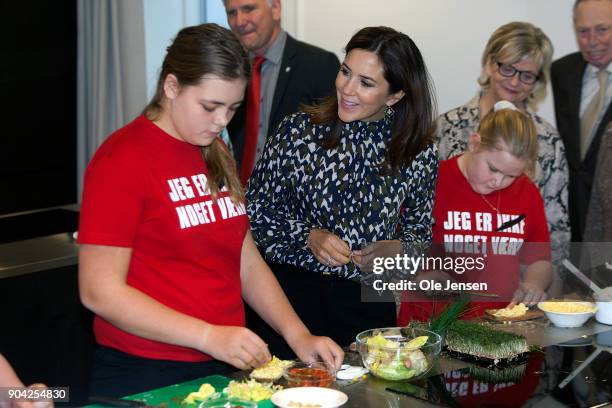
[[146, 190], [465, 227]]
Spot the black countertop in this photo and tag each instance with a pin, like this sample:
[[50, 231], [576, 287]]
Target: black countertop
[[37, 241]]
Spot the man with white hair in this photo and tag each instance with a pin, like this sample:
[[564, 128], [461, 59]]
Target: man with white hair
[[582, 88], [286, 74]]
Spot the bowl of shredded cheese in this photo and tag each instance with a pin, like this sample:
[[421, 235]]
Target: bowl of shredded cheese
[[567, 313]]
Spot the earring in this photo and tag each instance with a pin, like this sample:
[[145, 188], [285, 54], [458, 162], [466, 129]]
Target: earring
[[389, 112]]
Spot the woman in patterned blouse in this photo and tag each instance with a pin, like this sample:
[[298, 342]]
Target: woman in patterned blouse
[[358, 168], [515, 67]]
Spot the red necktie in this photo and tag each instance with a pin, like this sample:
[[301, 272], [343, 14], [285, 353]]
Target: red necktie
[[252, 121]]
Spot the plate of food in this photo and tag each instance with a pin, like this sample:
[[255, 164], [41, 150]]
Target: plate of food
[[309, 397], [519, 312]]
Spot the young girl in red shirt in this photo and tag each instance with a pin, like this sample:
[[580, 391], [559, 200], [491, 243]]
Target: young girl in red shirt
[[490, 233]]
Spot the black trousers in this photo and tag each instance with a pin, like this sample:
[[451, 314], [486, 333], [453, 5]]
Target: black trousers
[[328, 305], [117, 374]]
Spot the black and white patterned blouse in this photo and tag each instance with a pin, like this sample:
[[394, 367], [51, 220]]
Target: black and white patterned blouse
[[298, 186], [551, 176]]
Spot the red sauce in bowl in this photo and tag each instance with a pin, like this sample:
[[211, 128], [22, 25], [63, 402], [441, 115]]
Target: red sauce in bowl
[[309, 377]]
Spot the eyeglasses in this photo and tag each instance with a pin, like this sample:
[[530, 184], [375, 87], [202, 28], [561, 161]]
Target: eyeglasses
[[508, 71]]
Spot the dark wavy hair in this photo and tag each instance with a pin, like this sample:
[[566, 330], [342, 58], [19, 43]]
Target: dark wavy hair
[[205, 49], [413, 124]]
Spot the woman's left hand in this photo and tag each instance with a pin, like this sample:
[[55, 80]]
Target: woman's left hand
[[316, 348], [528, 293], [364, 258], [328, 248]]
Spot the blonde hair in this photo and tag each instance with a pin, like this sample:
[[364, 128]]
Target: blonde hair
[[512, 43], [206, 49], [511, 131]]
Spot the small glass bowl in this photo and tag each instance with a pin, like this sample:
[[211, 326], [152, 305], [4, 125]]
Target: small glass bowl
[[400, 362], [313, 374]]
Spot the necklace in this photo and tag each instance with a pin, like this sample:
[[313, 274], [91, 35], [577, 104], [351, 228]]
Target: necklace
[[496, 209]]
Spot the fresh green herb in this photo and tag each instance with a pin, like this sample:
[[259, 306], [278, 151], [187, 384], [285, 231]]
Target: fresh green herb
[[448, 316], [481, 341], [536, 348]]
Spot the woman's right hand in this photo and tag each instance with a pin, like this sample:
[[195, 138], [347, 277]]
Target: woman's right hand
[[237, 346], [328, 248]]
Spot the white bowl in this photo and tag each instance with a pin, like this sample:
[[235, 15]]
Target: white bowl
[[604, 312], [322, 397], [568, 319]]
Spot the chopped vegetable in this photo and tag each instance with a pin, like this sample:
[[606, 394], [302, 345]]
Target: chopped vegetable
[[515, 311], [416, 343], [272, 370], [204, 393], [391, 360], [251, 390]]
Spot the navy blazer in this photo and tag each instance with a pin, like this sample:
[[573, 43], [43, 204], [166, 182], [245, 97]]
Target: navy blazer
[[307, 75], [566, 76]]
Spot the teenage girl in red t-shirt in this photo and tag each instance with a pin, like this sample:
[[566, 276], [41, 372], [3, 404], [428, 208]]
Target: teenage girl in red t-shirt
[[487, 209], [165, 250]]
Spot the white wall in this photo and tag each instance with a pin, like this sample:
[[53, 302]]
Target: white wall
[[215, 13], [451, 34], [162, 20]]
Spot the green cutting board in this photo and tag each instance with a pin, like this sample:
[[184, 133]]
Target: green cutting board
[[172, 395]]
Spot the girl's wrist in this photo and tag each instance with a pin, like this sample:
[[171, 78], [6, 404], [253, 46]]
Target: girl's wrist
[[203, 343]]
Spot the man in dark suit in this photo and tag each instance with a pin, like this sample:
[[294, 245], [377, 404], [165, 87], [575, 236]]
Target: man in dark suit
[[581, 84], [292, 73]]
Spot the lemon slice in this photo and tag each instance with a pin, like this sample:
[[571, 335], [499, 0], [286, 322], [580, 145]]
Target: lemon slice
[[416, 343]]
